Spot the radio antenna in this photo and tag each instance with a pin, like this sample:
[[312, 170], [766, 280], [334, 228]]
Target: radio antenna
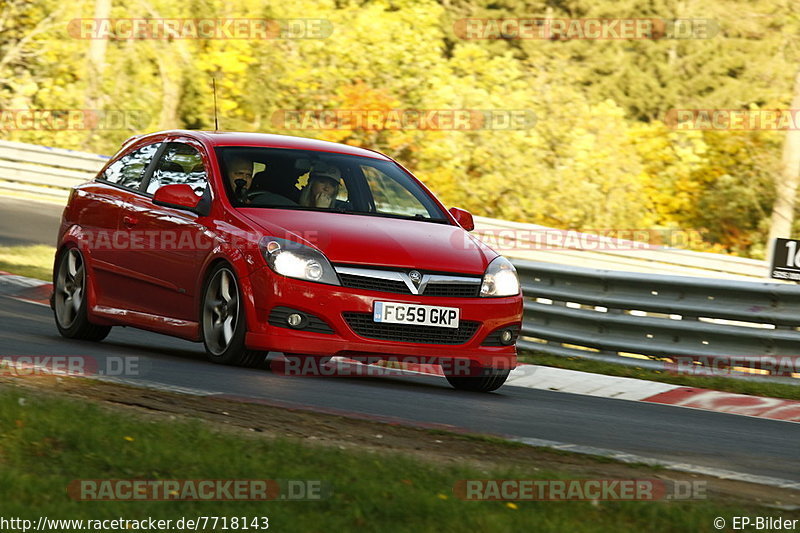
[[216, 121]]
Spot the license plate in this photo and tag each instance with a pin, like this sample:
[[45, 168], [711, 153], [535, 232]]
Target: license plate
[[421, 315]]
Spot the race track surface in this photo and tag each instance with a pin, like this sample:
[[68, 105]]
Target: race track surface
[[25, 222]]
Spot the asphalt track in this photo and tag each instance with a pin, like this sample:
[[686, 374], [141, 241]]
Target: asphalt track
[[25, 222], [717, 440]]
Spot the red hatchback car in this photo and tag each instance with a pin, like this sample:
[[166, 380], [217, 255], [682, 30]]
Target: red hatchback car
[[253, 243]]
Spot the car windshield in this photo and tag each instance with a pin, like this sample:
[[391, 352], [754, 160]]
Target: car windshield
[[321, 181]]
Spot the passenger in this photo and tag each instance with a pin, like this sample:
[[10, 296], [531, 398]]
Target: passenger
[[322, 187]]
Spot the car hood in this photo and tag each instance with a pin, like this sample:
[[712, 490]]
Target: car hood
[[378, 241]]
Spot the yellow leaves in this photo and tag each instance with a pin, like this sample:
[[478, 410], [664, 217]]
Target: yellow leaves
[[584, 164], [127, 438], [359, 95], [336, 136]]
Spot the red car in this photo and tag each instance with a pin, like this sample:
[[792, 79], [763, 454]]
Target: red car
[[252, 243]]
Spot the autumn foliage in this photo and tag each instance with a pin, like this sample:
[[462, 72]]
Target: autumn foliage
[[600, 155]]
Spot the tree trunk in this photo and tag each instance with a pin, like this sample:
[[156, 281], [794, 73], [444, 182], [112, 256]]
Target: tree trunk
[[786, 186], [170, 85], [95, 65]]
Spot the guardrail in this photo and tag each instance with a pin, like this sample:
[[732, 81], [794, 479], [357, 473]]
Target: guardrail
[[685, 324], [44, 170], [541, 243]]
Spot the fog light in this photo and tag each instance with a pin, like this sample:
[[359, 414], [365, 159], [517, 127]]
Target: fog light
[[294, 320], [506, 336]]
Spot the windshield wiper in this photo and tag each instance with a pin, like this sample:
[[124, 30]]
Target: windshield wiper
[[416, 216]]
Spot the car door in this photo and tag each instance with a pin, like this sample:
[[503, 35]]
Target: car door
[[170, 243], [101, 217]]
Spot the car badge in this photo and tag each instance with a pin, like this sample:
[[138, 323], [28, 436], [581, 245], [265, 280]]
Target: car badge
[[415, 276]]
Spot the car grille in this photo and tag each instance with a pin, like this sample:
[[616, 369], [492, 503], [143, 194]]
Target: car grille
[[363, 325], [373, 284], [444, 287], [452, 290]]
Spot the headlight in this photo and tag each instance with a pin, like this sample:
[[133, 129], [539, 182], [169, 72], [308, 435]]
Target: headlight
[[500, 279], [296, 260]]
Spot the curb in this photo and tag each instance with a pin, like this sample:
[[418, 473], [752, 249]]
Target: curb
[[726, 402], [576, 382], [530, 376], [25, 289]]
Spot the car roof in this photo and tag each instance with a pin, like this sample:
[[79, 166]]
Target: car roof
[[266, 140]]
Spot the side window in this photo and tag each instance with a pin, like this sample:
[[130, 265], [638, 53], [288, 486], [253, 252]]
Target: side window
[[392, 197], [180, 163], [128, 170]]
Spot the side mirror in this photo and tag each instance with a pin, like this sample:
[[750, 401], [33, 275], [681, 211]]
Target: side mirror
[[463, 217], [179, 196]]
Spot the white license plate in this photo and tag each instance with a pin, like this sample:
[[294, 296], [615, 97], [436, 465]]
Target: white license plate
[[422, 315]]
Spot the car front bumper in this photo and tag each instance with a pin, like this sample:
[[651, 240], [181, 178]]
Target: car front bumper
[[332, 304]]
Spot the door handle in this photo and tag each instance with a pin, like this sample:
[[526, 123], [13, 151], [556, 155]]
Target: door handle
[[129, 221]]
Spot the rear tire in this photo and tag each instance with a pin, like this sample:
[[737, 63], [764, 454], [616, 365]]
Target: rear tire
[[222, 321], [70, 286], [486, 380]]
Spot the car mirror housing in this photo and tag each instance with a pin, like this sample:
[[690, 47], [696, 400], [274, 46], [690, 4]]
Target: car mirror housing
[[180, 196], [463, 217]]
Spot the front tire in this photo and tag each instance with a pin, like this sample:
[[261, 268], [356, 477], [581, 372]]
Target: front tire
[[222, 321], [69, 299]]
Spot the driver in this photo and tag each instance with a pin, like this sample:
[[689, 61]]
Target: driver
[[240, 175]]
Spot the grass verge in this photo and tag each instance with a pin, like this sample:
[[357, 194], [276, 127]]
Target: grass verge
[[31, 261], [755, 388], [48, 441]]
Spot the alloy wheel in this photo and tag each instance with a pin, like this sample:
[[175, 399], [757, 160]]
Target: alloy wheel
[[70, 288], [220, 311]]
